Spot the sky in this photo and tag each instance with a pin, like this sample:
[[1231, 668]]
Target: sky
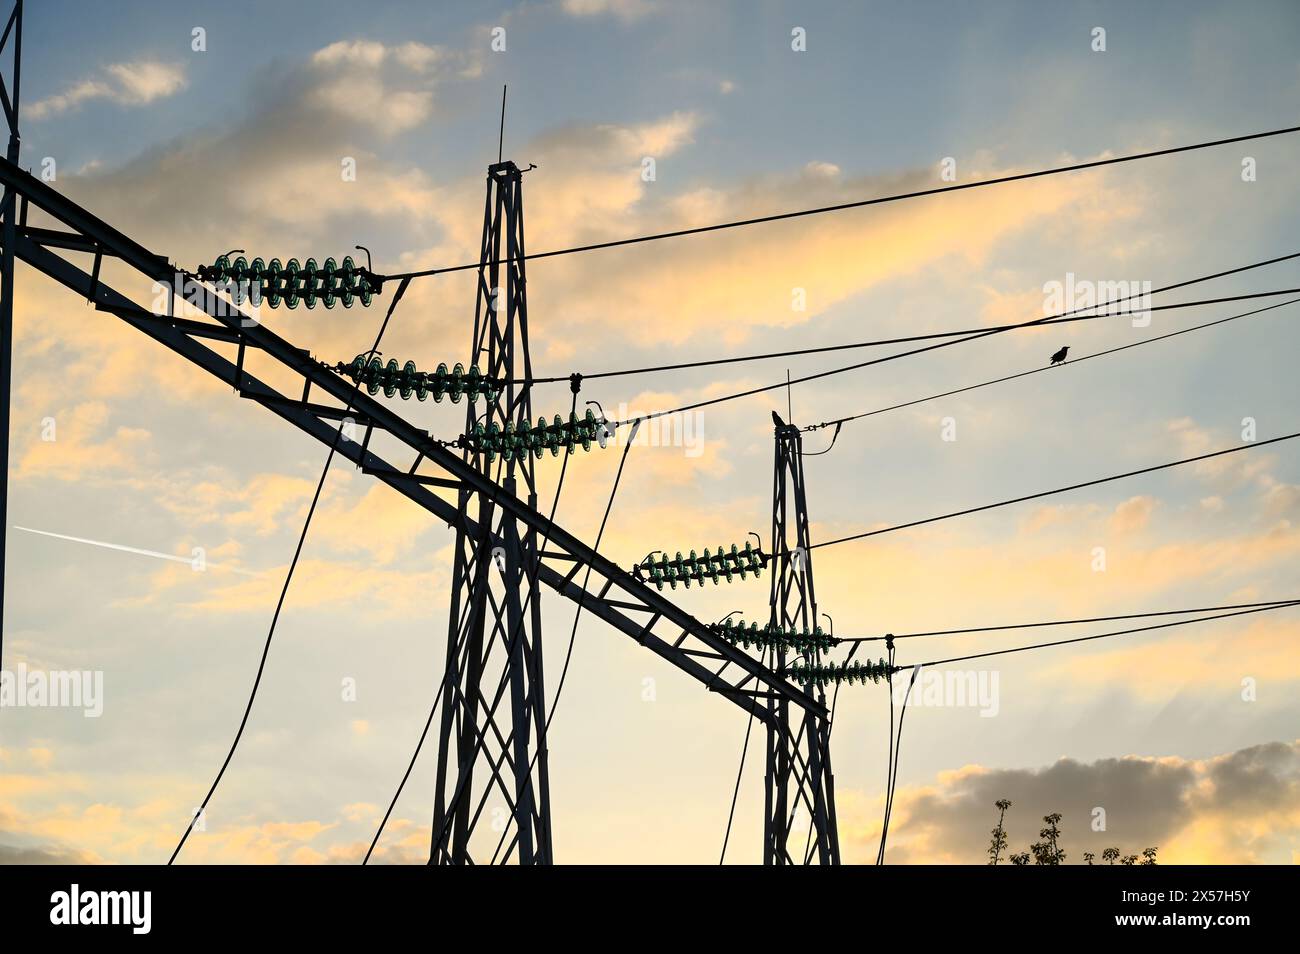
[[1184, 738]]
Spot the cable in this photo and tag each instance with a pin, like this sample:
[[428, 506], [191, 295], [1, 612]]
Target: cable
[[564, 670], [1058, 490], [555, 502], [889, 759], [288, 578], [955, 341], [837, 422], [855, 640], [898, 745], [1119, 632], [406, 775], [731, 815], [878, 342], [861, 203], [893, 781]]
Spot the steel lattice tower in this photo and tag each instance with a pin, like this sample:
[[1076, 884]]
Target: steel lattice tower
[[493, 724], [798, 782], [12, 40]]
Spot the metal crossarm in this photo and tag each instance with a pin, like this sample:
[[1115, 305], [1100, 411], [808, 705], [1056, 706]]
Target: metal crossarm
[[616, 597]]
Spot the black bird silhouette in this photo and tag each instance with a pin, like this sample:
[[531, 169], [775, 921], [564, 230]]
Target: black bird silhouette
[[1059, 357]]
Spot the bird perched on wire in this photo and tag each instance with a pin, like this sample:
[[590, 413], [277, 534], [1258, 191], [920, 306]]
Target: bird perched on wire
[[1059, 357]]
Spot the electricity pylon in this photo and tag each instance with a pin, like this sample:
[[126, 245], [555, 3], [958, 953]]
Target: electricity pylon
[[798, 781], [493, 724], [12, 40]]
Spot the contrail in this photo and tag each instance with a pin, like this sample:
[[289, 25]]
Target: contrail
[[149, 553]]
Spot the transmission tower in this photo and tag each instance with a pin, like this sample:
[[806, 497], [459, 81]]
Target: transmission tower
[[11, 40], [798, 782], [492, 739]]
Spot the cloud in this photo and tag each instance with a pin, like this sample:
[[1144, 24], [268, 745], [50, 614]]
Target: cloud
[[1239, 808], [364, 81], [50, 855], [1210, 656], [127, 84], [1133, 514], [83, 441], [622, 9]]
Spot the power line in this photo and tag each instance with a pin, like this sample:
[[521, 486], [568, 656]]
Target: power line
[[1084, 639], [284, 590], [897, 744], [862, 203], [1058, 490], [1062, 622], [735, 794], [948, 343], [877, 342], [1012, 377]]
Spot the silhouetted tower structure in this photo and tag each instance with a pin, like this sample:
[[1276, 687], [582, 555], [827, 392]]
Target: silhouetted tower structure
[[492, 761], [799, 784], [11, 42]]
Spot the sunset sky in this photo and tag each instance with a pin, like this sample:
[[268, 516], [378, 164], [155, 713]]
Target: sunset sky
[[241, 145]]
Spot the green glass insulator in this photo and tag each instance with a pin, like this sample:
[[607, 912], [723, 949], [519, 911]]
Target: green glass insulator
[[256, 279], [539, 437], [271, 288], [508, 441], [588, 430], [407, 381], [374, 371], [327, 282], [456, 386], [309, 279], [439, 383], [291, 270], [345, 281], [553, 436]]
